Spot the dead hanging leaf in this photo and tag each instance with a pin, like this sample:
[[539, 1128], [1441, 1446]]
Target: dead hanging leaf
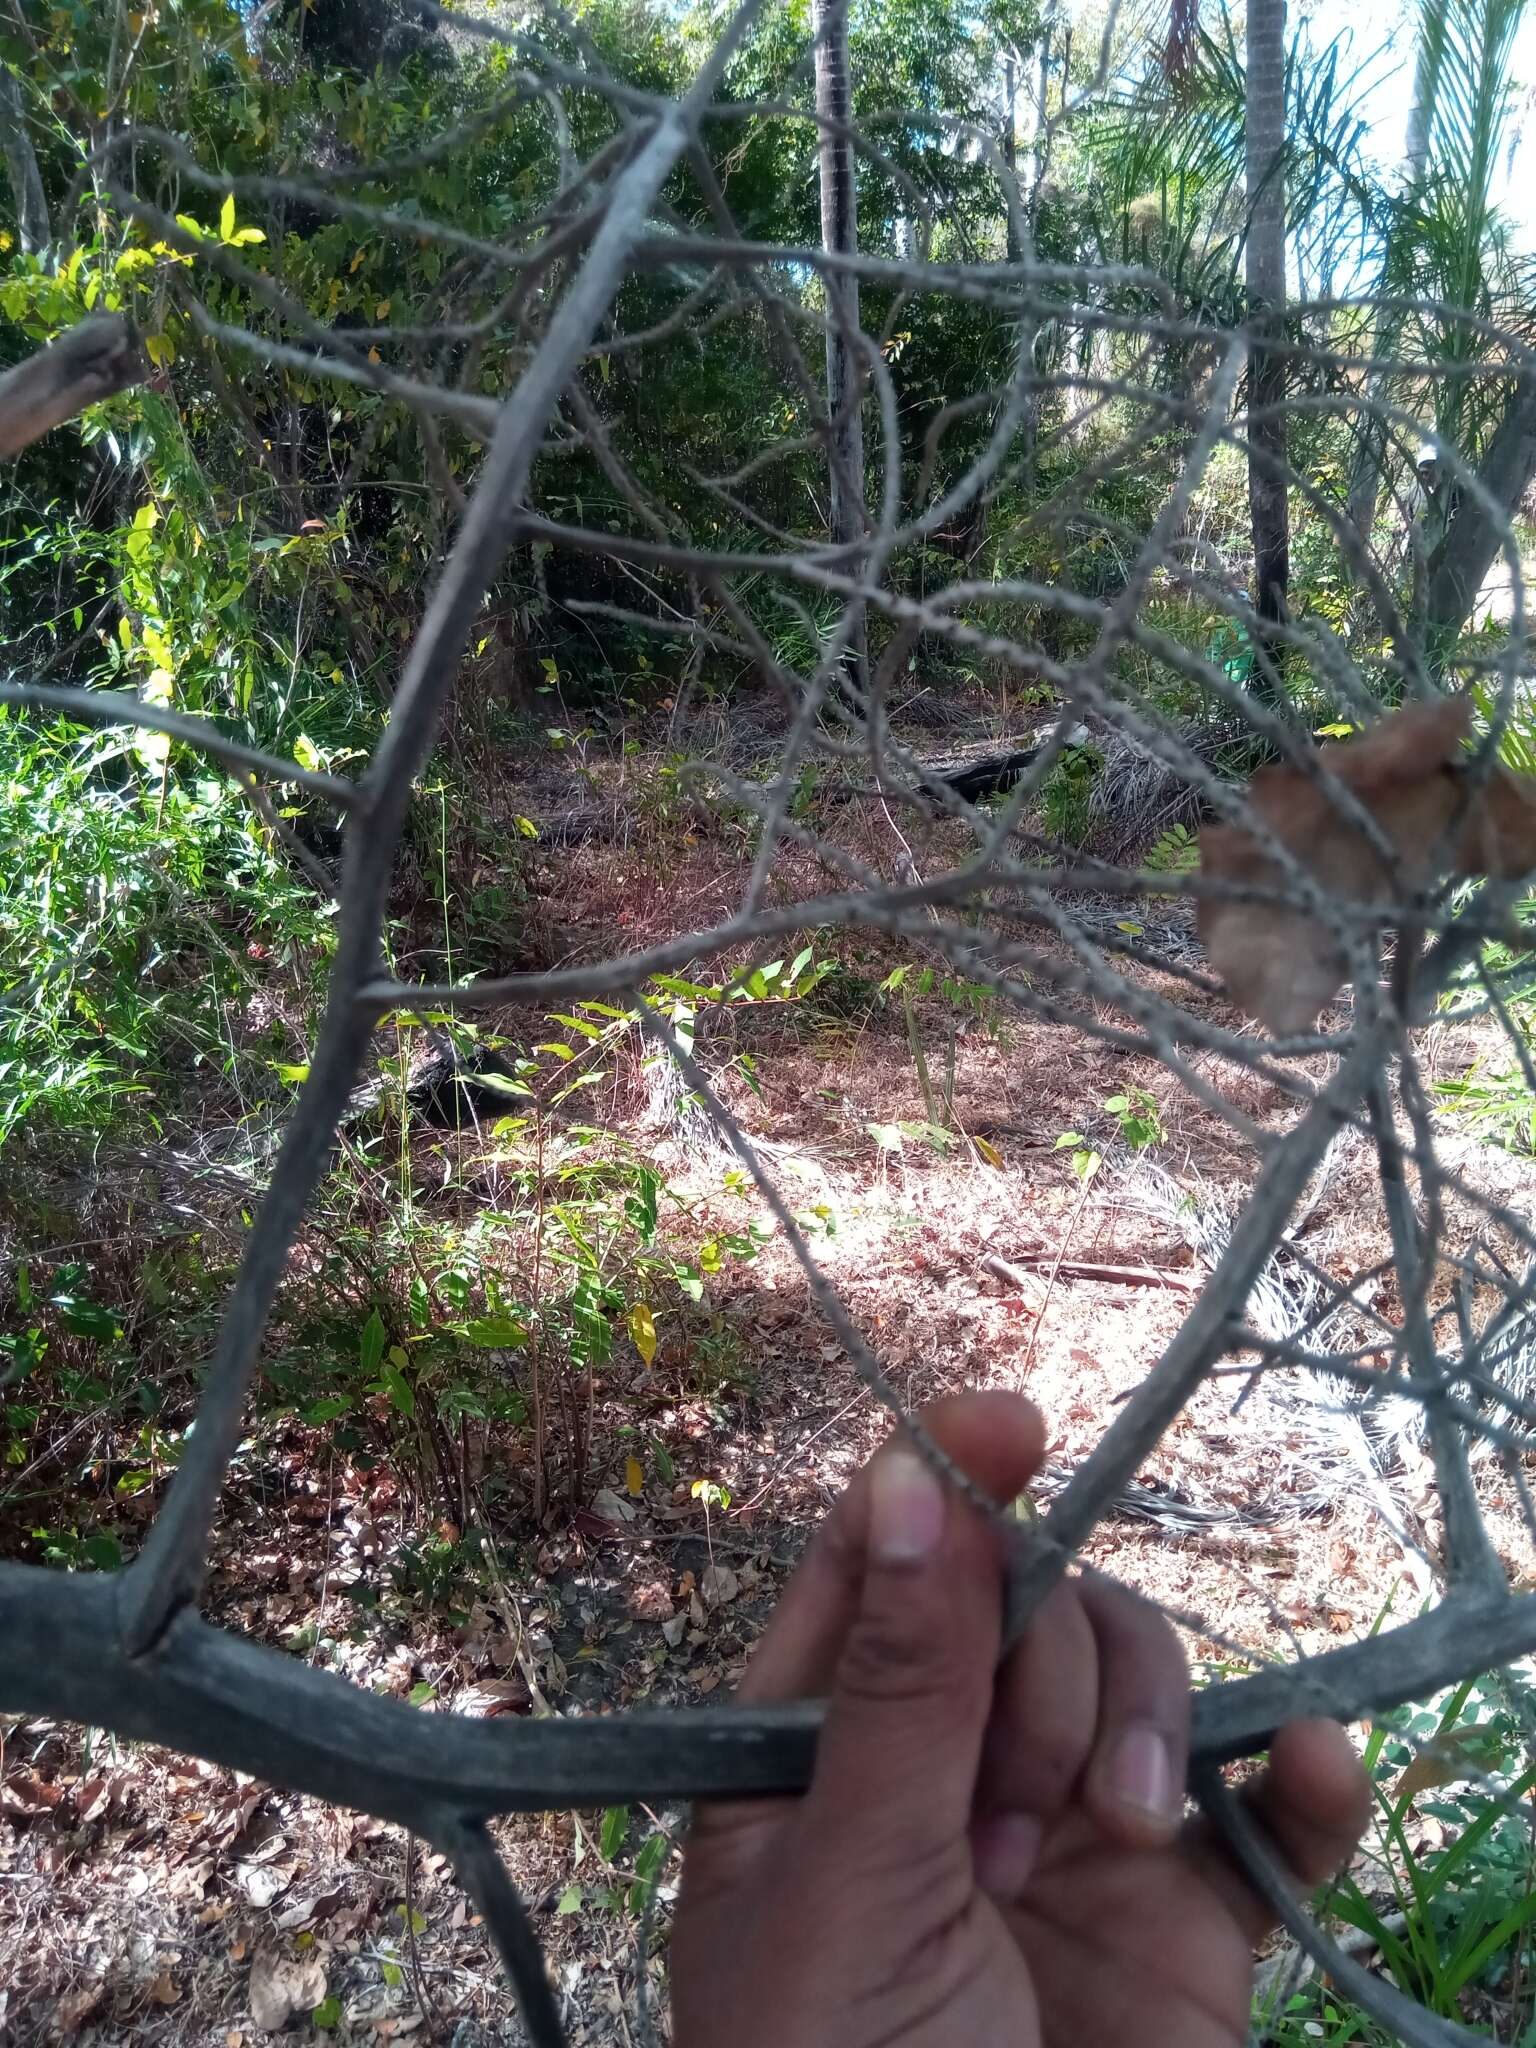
[[1282, 966], [642, 1330]]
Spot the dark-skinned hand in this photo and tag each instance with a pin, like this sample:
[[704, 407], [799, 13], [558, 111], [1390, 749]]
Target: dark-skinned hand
[[993, 1855]]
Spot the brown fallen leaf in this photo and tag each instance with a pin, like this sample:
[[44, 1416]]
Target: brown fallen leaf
[[25, 1794], [283, 1985], [190, 1880], [304, 1913], [719, 1585], [649, 1599], [73, 2008], [494, 1696], [1282, 966], [94, 1798], [264, 1882]]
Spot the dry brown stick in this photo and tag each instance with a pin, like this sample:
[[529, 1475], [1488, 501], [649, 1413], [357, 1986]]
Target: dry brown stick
[[1016, 1271]]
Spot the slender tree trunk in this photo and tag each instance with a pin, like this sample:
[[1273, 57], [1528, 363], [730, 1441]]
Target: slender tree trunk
[[1010, 140], [1267, 503], [1041, 138], [840, 236], [1371, 443], [34, 230], [1459, 566]]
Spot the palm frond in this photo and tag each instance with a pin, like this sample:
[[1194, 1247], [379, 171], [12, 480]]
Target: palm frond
[[1168, 163]]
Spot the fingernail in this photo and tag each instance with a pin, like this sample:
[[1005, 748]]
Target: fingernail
[[1141, 1776], [1005, 1847], [906, 1510]]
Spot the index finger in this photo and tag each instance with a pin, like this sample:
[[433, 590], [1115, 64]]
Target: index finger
[[997, 1439]]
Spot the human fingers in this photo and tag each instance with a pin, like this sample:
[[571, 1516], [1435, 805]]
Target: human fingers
[[997, 1439], [1314, 1800], [897, 1762], [1044, 1713], [1134, 1785]]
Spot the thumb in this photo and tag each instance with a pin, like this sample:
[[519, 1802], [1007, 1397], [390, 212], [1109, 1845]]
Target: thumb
[[901, 1749]]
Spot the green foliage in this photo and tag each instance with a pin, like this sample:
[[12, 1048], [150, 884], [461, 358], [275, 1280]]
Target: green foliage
[[1066, 796], [586, 1245], [1496, 1095], [1450, 1917], [1174, 852], [1445, 241], [1167, 166], [132, 897], [1085, 1160], [1137, 1114], [1138, 1121]]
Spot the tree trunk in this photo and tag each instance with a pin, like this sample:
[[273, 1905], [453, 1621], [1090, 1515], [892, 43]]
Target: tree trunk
[[839, 236], [1371, 443], [34, 230], [1459, 566], [1040, 140], [1011, 150], [1267, 506]]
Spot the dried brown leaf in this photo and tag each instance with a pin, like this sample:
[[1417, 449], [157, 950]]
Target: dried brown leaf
[[649, 1600], [264, 1882], [74, 2008], [494, 1696], [1445, 1761], [163, 1989], [282, 1986], [719, 1585], [1282, 966], [25, 1794]]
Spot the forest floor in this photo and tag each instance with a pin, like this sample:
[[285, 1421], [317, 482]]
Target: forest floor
[[147, 1898]]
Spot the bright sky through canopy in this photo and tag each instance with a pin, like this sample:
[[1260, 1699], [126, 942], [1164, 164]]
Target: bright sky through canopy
[[1390, 90]]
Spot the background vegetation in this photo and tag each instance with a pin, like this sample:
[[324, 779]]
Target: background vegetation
[[240, 538]]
